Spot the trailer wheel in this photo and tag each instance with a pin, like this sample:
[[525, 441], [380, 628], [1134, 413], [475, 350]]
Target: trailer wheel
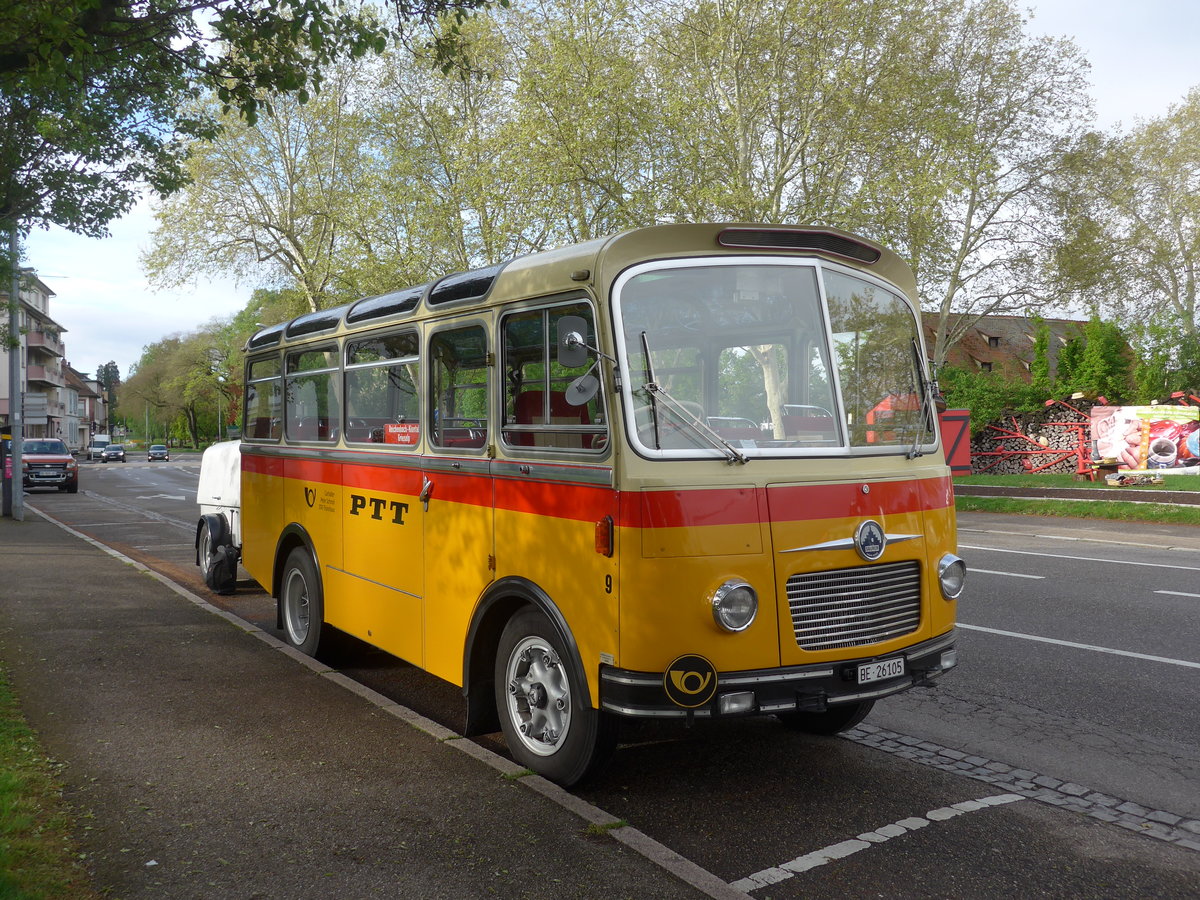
[[548, 727], [302, 602], [834, 720], [212, 555]]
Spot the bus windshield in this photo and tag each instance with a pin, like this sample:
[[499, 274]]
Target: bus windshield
[[773, 357]]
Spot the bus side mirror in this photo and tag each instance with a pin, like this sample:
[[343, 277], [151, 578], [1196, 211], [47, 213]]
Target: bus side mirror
[[572, 346]]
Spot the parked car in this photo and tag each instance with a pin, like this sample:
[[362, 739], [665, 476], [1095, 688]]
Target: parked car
[[157, 451], [46, 462], [113, 453]]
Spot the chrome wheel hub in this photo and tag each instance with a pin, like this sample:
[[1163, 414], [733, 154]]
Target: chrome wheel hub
[[539, 696]]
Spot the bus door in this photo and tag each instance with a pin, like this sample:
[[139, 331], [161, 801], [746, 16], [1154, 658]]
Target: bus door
[[383, 531], [456, 496]]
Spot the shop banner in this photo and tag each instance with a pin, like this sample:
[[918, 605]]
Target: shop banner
[[1146, 437]]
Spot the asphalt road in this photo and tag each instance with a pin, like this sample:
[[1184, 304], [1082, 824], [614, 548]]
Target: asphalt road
[[1061, 758]]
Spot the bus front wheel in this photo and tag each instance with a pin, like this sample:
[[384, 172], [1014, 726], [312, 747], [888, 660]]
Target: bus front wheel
[[548, 726], [834, 720], [302, 602]]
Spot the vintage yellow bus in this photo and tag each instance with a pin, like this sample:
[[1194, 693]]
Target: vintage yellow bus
[[643, 476]]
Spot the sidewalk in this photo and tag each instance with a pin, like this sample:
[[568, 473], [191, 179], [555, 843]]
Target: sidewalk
[[204, 759]]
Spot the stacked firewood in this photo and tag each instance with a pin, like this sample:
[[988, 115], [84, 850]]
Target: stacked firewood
[[1055, 439]]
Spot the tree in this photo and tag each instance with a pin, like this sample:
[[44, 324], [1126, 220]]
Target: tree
[[1105, 365], [1013, 107], [1039, 367], [97, 96], [266, 201], [109, 376], [1133, 209], [785, 112]]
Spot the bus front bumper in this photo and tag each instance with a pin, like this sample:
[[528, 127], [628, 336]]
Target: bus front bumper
[[812, 688]]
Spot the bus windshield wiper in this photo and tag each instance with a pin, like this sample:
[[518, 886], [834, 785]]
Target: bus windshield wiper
[[650, 379], [923, 388], [657, 392]]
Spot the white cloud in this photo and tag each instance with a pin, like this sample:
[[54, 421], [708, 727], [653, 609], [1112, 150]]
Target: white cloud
[[104, 301], [1143, 55]]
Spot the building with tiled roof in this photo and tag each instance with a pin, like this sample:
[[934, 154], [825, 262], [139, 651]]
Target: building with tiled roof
[[1002, 344]]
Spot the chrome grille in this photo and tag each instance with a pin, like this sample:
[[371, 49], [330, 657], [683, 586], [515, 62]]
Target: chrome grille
[[851, 607]]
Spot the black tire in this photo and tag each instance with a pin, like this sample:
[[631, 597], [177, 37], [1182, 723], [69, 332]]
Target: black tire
[[543, 711], [211, 555], [73, 487], [834, 720], [302, 602]]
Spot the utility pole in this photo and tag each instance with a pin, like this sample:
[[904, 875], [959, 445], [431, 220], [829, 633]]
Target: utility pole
[[15, 395]]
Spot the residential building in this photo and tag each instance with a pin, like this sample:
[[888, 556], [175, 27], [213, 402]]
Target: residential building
[[86, 408], [43, 384], [1003, 344]]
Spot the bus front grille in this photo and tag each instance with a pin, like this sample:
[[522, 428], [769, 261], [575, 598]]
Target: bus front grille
[[852, 607]]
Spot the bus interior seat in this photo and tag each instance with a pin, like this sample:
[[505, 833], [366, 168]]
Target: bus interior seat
[[529, 411], [313, 428]]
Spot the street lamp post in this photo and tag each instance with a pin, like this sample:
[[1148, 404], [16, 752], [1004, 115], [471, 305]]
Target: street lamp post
[[16, 506]]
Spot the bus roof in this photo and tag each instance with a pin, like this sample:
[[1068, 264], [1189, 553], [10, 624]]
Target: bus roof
[[596, 263]]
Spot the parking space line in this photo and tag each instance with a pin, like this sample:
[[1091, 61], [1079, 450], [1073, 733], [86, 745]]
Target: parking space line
[[1187, 664], [975, 571], [1091, 559], [841, 850]]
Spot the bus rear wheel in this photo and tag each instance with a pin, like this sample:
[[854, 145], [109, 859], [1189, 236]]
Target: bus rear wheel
[[834, 720], [547, 723], [302, 602]]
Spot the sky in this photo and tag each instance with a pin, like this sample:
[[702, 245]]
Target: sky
[[1143, 56]]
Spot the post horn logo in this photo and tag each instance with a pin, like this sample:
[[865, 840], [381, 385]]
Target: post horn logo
[[310, 496], [690, 681]]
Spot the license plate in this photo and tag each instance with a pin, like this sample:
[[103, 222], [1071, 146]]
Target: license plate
[[45, 475], [880, 670]]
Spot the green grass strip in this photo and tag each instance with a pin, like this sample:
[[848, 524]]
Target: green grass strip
[[1159, 513], [38, 860], [1056, 480]]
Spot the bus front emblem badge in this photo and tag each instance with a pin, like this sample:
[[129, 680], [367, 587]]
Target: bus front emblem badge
[[690, 681], [869, 540]]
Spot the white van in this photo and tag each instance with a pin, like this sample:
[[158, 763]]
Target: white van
[[96, 447]]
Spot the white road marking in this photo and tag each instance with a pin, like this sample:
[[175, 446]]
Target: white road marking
[[163, 497], [1045, 640], [786, 870], [1177, 593], [1096, 559], [1009, 574]]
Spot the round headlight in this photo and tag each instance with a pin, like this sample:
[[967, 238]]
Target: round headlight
[[734, 605], [952, 575]]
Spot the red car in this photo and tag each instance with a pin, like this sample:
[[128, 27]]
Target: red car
[[46, 462]]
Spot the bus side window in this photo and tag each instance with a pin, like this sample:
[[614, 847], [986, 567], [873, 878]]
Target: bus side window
[[382, 383], [312, 411], [458, 389], [537, 411], [263, 400]]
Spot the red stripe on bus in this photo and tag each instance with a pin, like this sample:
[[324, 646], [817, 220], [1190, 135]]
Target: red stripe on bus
[[581, 502], [650, 509], [685, 509], [387, 479]]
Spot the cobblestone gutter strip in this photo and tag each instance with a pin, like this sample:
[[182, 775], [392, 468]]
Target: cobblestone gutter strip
[[1156, 823]]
